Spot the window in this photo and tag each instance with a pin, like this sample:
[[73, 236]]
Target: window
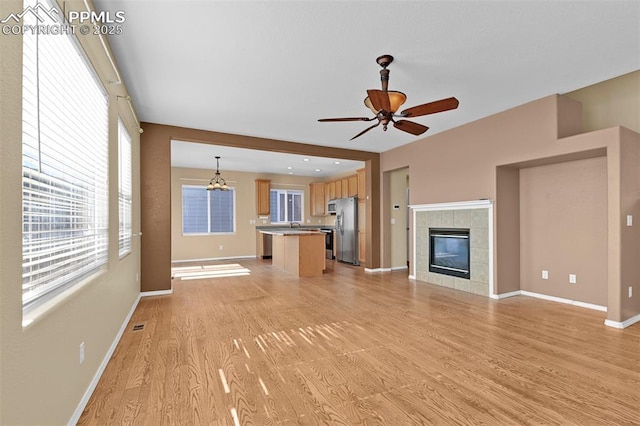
[[286, 205], [124, 190], [64, 166], [207, 212]]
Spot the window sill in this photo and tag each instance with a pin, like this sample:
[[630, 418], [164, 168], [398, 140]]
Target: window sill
[[36, 314]]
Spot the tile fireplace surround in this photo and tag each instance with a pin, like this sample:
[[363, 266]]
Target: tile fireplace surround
[[477, 216]]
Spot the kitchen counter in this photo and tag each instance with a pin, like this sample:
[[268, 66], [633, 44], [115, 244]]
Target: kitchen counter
[[292, 231], [297, 251]]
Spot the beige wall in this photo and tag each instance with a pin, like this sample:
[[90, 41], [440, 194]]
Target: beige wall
[[481, 160], [398, 217], [614, 102], [563, 229], [243, 241], [41, 379]]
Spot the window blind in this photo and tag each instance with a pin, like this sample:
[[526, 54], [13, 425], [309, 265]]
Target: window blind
[[207, 212], [124, 189], [64, 166]]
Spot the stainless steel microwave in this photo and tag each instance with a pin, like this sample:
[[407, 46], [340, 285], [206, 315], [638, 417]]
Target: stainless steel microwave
[[331, 207]]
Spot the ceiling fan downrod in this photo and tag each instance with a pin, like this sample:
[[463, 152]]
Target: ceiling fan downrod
[[384, 62]]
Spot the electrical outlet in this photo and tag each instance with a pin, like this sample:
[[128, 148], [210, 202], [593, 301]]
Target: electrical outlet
[[630, 292], [573, 279], [221, 247], [545, 275], [81, 352]]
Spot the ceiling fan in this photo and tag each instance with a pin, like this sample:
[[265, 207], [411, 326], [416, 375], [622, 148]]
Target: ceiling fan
[[384, 104]]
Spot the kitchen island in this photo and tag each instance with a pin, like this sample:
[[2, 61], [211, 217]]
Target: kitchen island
[[298, 252]]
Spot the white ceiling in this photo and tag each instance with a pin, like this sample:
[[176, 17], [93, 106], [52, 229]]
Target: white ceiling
[[272, 68], [202, 156]]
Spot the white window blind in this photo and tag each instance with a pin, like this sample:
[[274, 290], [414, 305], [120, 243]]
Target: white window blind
[[286, 205], [207, 212], [124, 189], [64, 166]]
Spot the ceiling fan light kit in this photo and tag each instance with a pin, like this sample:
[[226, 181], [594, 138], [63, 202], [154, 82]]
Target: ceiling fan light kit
[[385, 103]]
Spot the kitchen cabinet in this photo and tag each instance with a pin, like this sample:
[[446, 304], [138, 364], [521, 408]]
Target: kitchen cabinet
[[339, 189], [330, 190], [353, 186], [263, 203], [318, 202], [362, 231], [345, 187], [362, 184]]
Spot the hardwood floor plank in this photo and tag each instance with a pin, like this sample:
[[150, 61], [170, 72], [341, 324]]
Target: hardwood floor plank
[[356, 348]]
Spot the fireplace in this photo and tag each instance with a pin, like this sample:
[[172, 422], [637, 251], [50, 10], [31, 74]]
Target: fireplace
[[449, 252]]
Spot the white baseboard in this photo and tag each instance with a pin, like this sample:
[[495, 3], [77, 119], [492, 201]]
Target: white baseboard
[[567, 301], [505, 295], [103, 365], [399, 268], [624, 324], [156, 293], [377, 270]]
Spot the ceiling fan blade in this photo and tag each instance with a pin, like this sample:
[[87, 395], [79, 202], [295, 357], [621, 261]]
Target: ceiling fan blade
[[379, 99], [323, 120], [431, 108], [410, 127], [365, 131]]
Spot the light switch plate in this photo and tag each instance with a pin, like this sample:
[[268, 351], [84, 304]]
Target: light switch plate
[[572, 278], [629, 220]]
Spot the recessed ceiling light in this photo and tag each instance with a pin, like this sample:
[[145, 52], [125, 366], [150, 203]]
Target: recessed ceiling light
[[289, 168], [318, 170], [306, 159], [336, 162]]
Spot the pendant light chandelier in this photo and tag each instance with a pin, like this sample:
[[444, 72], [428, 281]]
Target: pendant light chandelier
[[216, 182]]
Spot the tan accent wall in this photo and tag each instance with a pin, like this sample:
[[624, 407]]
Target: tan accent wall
[[614, 102], [463, 164], [629, 235], [563, 229], [41, 378], [242, 242], [398, 217]]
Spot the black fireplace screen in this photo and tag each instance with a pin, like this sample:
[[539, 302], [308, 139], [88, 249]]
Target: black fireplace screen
[[449, 252]]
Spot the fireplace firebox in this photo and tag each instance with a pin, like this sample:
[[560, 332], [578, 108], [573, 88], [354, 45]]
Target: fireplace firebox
[[449, 252]]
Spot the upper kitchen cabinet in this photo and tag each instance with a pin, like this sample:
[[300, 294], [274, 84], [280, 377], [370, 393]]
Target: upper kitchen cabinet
[[353, 186], [263, 188], [318, 205], [329, 191], [362, 184], [339, 189]]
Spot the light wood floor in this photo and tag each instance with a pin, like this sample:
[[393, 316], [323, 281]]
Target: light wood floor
[[355, 348]]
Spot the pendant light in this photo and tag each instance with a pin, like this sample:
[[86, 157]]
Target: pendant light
[[217, 183]]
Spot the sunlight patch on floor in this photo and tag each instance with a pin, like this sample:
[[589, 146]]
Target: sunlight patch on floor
[[209, 271]]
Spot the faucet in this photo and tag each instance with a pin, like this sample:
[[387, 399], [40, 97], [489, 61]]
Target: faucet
[[291, 225]]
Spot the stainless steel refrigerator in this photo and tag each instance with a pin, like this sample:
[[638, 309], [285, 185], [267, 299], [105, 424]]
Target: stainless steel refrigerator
[[347, 230]]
